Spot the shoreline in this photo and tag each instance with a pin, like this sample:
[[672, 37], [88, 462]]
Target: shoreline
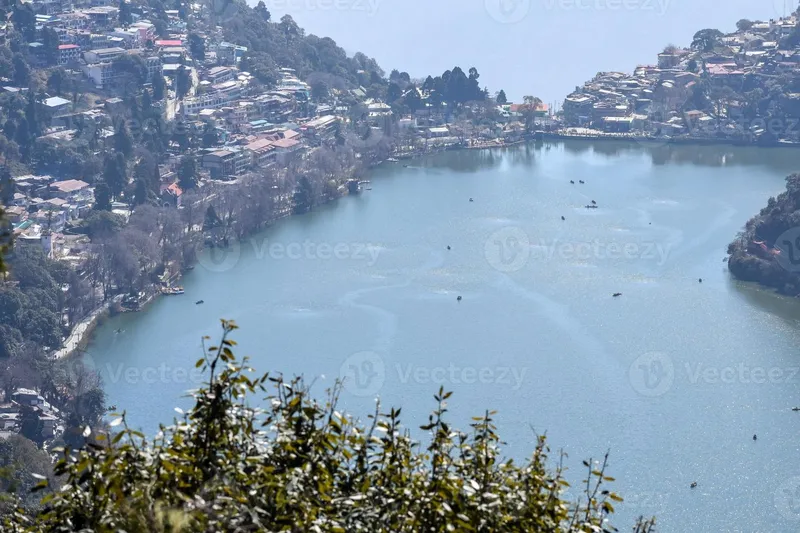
[[79, 339], [645, 139]]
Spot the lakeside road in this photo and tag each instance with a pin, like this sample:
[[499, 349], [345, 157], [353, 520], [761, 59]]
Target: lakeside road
[[83, 329]]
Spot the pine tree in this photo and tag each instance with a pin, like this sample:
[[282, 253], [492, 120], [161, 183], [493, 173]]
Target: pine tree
[[7, 186], [140, 192], [159, 87], [114, 175], [123, 143], [187, 173], [102, 197]]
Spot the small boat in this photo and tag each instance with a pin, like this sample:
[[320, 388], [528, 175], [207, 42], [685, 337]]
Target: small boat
[[594, 203], [581, 181], [616, 294], [693, 485], [471, 200], [198, 302], [755, 437], [173, 290], [562, 217], [112, 408], [459, 298], [590, 206], [795, 408], [392, 160], [700, 280], [572, 182]]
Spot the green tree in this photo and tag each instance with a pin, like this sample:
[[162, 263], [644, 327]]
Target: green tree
[[501, 97], [140, 193], [114, 175], [50, 44], [187, 173], [159, 87], [7, 186], [262, 11], [123, 143], [744, 24], [22, 72], [183, 81], [102, 197], [197, 47], [705, 40], [303, 465], [125, 16], [303, 198]]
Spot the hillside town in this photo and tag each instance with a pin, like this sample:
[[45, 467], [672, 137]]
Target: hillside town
[[134, 136], [738, 87]]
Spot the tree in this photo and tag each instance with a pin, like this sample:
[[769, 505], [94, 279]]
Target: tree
[[211, 219], [187, 173], [262, 11], [705, 40], [744, 25], [50, 42], [319, 89], [125, 17], [692, 65], [114, 174], [123, 144], [22, 73], [197, 47], [159, 87], [316, 467], [303, 198], [501, 97], [102, 197], [7, 186], [140, 192], [183, 81]]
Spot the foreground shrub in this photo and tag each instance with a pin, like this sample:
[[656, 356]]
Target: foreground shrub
[[300, 465]]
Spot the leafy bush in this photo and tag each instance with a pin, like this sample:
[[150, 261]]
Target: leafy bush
[[301, 465]]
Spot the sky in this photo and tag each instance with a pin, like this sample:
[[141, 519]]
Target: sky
[[543, 48]]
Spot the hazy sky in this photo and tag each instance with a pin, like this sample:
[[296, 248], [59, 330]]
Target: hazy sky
[[539, 47]]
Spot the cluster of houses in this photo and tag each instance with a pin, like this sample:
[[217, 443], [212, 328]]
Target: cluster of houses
[[651, 100], [29, 403]]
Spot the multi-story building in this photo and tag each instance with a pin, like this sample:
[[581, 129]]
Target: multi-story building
[[68, 53], [102, 74], [102, 55], [262, 152], [226, 162], [220, 74]]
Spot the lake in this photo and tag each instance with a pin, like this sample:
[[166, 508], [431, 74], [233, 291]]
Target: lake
[[674, 376]]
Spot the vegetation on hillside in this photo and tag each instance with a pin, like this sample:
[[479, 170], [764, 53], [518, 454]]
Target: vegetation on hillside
[[302, 465], [765, 250]]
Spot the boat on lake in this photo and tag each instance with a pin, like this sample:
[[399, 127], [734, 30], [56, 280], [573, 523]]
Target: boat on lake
[[172, 290]]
